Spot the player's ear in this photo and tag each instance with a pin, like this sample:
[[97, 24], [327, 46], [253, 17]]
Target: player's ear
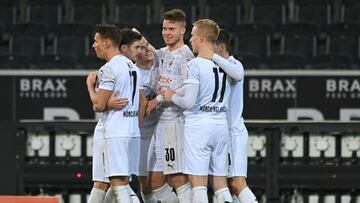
[[183, 30], [122, 48], [223, 48]]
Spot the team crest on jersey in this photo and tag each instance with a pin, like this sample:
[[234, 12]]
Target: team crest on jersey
[[130, 65], [165, 79]]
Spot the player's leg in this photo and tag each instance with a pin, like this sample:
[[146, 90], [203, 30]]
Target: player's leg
[[120, 163], [157, 180], [182, 186], [146, 192], [98, 191], [241, 190], [237, 183], [219, 163], [174, 159], [109, 197], [101, 183], [196, 158]]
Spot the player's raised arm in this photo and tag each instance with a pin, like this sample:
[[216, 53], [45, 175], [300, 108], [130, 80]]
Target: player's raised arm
[[235, 71]]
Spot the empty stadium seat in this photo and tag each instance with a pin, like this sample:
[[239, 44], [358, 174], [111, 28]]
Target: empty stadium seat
[[53, 62], [132, 14], [7, 13], [225, 14], [44, 11], [350, 11], [13, 61], [88, 12], [272, 12], [313, 12]]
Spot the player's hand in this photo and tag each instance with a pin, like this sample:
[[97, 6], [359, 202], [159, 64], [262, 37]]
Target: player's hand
[[151, 105], [208, 54], [91, 78], [167, 94], [115, 103]]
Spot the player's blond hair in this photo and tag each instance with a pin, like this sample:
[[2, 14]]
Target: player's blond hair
[[209, 28]]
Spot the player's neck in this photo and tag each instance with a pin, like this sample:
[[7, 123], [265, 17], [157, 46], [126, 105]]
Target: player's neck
[[144, 65], [225, 55], [205, 48], [177, 45], [111, 54]]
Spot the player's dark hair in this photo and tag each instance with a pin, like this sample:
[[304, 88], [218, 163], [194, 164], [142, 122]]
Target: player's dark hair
[[129, 36], [108, 31], [175, 15], [224, 38]]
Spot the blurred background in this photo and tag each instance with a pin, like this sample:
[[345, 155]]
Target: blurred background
[[301, 91]]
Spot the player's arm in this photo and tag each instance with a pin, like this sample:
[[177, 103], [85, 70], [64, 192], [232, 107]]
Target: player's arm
[[186, 101], [189, 90], [235, 71], [142, 106], [99, 98], [115, 103]]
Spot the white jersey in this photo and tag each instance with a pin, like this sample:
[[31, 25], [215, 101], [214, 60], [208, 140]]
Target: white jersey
[[214, 92], [170, 73], [120, 75], [152, 119], [236, 105]]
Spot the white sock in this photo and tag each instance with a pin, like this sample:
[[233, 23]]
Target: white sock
[[214, 199], [200, 194], [109, 197], [149, 198], [235, 199], [247, 196], [165, 194], [223, 195], [121, 194], [133, 196], [96, 195], [184, 193]]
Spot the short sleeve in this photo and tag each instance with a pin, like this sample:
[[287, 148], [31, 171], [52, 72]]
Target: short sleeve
[[106, 78]]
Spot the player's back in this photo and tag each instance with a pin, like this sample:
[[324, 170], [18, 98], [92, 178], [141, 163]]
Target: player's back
[[214, 92], [122, 122]]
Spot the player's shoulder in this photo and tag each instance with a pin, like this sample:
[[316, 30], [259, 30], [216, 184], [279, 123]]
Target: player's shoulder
[[199, 61], [185, 52], [233, 60], [117, 60]]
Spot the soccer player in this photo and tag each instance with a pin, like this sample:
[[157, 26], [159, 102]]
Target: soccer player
[[166, 148], [145, 63], [238, 131], [205, 97], [118, 75]]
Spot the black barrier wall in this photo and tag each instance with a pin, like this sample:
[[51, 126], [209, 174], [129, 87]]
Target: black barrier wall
[[9, 159], [269, 95]]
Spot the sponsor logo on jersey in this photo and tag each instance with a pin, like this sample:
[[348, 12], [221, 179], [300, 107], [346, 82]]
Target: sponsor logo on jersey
[[165, 79], [217, 109], [342, 88], [130, 113], [42, 88], [278, 88]]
